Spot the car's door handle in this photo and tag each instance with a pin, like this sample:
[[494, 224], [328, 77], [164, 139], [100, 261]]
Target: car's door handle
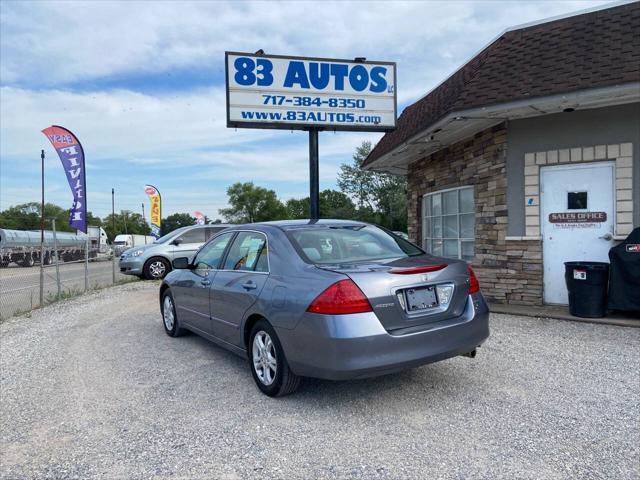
[[249, 285], [205, 282], [607, 236]]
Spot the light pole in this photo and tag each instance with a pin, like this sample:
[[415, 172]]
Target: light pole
[[145, 221]]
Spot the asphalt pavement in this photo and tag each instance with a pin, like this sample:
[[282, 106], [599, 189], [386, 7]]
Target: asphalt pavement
[[93, 388], [20, 286]]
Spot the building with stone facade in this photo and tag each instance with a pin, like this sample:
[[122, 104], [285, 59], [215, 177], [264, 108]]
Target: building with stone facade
[[528, 155]]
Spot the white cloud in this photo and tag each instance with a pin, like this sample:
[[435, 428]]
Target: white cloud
[[178, 139], [53, 43]]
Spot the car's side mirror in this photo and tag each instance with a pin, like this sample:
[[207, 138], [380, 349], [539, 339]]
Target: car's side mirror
[[176, 242], [181, 263]]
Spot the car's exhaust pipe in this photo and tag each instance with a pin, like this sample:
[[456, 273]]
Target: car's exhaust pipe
[[471, 354]]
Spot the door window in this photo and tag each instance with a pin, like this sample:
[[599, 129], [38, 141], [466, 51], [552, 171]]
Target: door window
[[213, 231], [248, 253], [211, 254], [576, 200], [195, 235]]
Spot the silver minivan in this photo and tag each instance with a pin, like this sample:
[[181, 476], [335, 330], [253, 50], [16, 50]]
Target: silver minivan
[[153, 261]]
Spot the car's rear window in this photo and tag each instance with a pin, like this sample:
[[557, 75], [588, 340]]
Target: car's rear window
[[349, 244]]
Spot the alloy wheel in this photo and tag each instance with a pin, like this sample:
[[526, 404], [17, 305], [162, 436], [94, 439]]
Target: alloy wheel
[[167, 313], [157, 269], [264, 357]]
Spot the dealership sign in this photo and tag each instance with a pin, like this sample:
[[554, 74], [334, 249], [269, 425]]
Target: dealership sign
[[272, 91]]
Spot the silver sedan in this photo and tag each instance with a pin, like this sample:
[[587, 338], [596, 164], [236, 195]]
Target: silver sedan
[[328, 299]]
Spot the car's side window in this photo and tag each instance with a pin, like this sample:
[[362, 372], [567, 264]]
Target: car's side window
[[248, 253], [195, 235], [213, 231], [209, 257]]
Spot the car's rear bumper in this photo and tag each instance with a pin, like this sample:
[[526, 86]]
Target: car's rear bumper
[[356, 346], [131, 266]]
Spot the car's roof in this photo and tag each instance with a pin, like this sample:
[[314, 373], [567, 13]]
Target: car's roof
[[217, 225], [324, 222]]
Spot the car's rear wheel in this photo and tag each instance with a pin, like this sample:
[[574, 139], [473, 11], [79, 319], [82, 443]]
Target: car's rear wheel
[[156, 268], [269, 366], [169, 317]]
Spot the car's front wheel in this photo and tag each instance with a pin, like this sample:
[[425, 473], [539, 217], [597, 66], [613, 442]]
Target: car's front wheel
[[156, 268], [269, 366], [169, 317]]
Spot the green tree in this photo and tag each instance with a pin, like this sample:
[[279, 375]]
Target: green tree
[[26, 216], [176, 220], [249, 203], [381, 198], [125, 222], [333, 204], [297, 208]]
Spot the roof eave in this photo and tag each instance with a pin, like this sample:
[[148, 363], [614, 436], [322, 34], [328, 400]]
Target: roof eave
[[458, 125]]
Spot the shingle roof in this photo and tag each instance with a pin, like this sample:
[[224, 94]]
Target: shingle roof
[[590, 50]]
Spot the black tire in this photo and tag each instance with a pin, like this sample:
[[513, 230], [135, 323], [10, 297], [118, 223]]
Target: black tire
[[167, 302], [156, 268], [27, 261], [285, 381]]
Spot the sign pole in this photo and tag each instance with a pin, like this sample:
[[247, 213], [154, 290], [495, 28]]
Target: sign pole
[[312, 94], [314, 186], [42, 235], [55, 248], [86, 264], [113, 228]]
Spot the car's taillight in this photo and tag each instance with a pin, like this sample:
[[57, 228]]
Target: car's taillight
[[474, 285], [340, 298]]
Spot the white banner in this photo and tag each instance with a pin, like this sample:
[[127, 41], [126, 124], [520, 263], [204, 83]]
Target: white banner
[[267, 91]]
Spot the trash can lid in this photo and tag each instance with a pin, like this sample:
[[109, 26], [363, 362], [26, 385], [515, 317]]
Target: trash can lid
[[588, 265]]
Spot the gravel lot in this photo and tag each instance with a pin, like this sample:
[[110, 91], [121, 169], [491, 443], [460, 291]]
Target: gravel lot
[[94, 388]]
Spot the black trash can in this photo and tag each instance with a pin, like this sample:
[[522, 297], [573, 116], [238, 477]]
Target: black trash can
[[587, 285]]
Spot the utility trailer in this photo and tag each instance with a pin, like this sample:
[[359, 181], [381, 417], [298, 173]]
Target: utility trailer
[[23, 247]]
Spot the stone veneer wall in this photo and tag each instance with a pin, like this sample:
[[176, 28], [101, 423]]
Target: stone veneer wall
[[509, 271]]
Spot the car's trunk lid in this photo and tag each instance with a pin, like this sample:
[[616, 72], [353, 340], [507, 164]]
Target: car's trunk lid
[[393, 285]]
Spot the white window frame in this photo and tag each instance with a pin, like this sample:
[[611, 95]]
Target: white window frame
[[427, 214]]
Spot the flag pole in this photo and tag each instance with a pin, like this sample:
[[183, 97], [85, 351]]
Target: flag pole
[[42, 233], [113, 227]]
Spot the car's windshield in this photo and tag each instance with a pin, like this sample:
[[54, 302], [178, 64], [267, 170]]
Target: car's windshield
[[169, 235], [348, 244]]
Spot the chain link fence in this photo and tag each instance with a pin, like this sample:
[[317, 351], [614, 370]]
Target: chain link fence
[[23, 288]]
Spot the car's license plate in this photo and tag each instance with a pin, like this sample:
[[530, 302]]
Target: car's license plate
[[420, 298]]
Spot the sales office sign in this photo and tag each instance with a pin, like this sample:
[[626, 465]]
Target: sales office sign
[[272, 91]]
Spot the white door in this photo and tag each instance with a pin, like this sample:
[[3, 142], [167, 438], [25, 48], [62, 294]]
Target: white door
[[577, 220]]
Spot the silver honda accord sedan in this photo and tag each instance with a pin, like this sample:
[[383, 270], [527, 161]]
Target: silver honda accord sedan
[[331, 299]]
